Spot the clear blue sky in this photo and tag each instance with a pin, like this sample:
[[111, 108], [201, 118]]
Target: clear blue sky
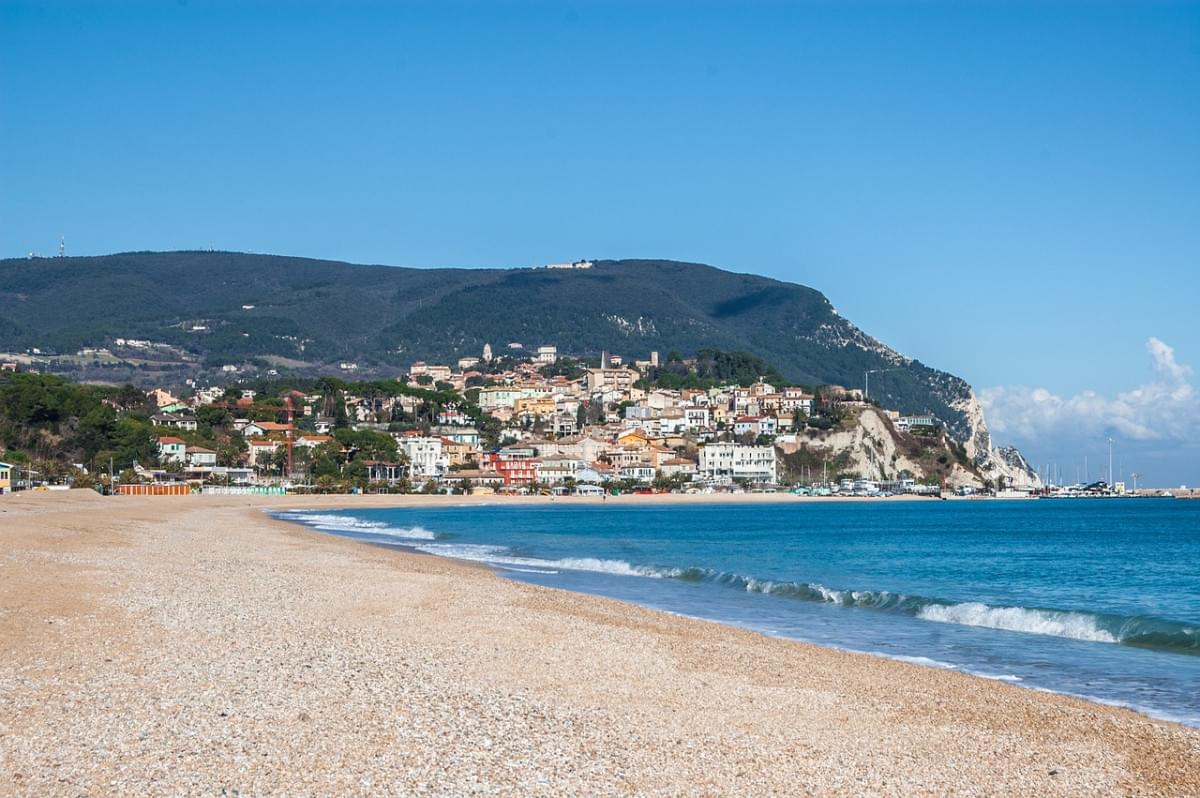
[[1008, 191]]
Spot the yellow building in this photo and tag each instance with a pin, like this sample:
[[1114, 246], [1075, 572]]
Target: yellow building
[[536, 406], [5, 477], [458, 454]]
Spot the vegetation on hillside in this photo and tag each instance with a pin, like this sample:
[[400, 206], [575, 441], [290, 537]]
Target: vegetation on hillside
[[238, 308], [52, 423], [708, 369]]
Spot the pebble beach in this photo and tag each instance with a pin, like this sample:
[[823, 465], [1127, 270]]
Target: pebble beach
[[195, 646]]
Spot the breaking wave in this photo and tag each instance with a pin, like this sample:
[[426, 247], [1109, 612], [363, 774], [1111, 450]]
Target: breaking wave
[[331, 522], [499, 555], [1075, 625], [1140, 631]]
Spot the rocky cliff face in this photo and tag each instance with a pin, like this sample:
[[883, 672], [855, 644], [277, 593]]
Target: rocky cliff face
[[870, 446], [955, 406], [1007, 464]]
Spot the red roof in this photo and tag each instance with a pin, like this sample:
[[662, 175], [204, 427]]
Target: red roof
[[171, 440]]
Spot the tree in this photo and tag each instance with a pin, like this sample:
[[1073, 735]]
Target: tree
[[367, 443], [130, 397], [324, 466], [95, 431], [356, 472], [134, 441], [232, 451], [212, 416], [278, 461]]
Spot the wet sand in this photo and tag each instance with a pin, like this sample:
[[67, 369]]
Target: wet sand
[[191, 645]]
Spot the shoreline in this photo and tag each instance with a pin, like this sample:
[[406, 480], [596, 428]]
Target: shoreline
[[413, 548], [247, 649]]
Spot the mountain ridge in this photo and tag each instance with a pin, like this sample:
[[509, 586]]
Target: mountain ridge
[[232, 308]]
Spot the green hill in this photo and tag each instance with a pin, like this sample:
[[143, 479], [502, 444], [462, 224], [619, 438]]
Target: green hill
[[232, 308]]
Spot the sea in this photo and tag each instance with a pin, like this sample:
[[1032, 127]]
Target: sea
[[1097, 598]]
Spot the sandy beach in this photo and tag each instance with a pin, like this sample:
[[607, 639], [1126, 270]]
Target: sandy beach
[[194, 646]]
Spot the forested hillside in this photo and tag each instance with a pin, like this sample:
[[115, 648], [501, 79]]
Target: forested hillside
[[305, 316]]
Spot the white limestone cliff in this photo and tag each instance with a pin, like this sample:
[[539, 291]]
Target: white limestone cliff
[[1007, 464]]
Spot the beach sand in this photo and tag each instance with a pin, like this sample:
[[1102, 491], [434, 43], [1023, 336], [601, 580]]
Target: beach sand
[[193, 646]]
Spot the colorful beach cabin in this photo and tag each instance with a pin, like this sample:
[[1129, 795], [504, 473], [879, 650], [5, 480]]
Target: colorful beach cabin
[[5, 478]]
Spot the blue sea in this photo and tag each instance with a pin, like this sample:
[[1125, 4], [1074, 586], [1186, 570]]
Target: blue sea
[[1094, 598]]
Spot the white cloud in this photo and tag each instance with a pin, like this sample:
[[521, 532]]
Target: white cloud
[[1165, 409]]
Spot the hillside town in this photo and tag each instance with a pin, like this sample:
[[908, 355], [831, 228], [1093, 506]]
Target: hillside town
[[531, 421]]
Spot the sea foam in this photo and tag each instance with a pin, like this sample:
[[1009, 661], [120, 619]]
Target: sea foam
[[330, 522], [1057, 623], [499, 555]]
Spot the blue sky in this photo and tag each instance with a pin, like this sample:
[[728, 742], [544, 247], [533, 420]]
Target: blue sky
[[1004, 190]]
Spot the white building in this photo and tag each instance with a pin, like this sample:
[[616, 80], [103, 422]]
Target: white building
[[697, 418], [206, 396], [547, 354], [639, 472], [722, 463], [185, 423], [172, 450], [587, 449], [260, 450], [200, 457], [498, 396], [756, 425], [796, 400], [678, 466], [906, 423], [427, 459], [465, 435], [557, 468]]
